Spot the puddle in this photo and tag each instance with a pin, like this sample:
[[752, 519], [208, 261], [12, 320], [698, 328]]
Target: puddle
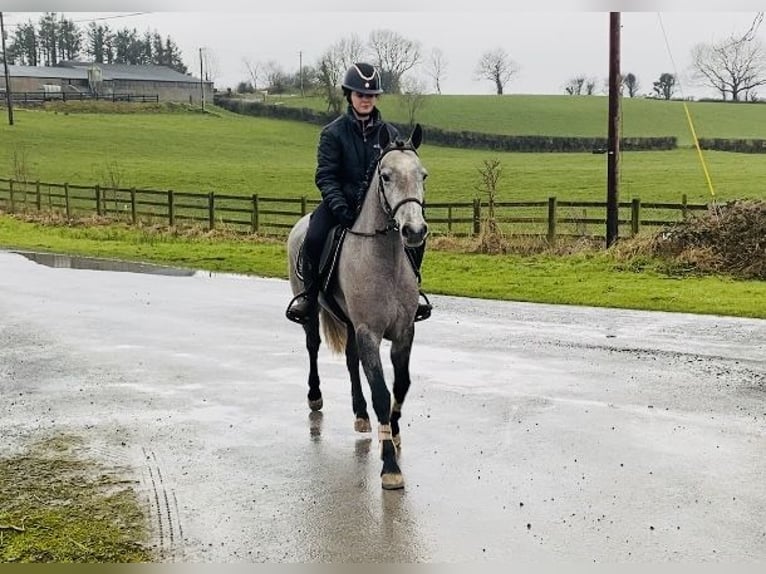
[[96, 264]]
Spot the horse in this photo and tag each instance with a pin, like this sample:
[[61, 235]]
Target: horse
[[376, 289]]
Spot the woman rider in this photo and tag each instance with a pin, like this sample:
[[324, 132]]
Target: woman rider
[[348, 147]]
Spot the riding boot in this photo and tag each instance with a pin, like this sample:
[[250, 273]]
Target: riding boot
[[424, 309], [304, 305]]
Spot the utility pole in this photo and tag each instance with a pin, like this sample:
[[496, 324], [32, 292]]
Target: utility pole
[[8, 96], [201, 81], [613, 145], [300, 69]]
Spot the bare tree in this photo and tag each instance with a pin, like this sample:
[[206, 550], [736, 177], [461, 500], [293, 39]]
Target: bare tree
[[332, 65], [665, 86], [575, 85], [436, 67], [630, 83], [497, 67], [413, 97], [394, 55], [275, 77], [733, 67], [255, 71]]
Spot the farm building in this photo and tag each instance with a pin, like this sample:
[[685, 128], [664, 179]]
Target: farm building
[[72, 78]]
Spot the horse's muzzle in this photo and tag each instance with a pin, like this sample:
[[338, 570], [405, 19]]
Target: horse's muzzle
[[414, 235]]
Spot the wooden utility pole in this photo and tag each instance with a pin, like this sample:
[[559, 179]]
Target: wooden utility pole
[[300, 69], [201, 81], [8, 96], [613, 145]]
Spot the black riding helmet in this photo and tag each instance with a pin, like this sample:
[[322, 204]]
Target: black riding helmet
[[362, 78]]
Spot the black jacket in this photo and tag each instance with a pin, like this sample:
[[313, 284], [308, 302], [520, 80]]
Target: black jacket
[[344, 155]]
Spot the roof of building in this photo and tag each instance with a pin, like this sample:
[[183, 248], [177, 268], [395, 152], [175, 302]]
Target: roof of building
[[73, 70]]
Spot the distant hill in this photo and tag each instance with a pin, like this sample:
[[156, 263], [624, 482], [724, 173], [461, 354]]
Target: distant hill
[[570, 115]]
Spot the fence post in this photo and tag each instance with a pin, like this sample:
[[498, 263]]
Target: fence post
[[66, 201], [171, 208], [38, 199], [476, 216], [684, 209], [256, 219], [98, 199], [635, 215], [211, 210], [449, 219], [10, 190], [133, 204], [303, 205], [552, 205]]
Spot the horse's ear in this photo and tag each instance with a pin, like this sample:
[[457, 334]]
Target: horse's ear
[[384, 137], [417, 136]]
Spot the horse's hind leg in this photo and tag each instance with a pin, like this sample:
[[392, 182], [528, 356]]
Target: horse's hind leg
[[312, 345], [362, 422], [400, 358], [368, 344]]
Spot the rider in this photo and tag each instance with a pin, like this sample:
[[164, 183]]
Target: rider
[[347, 149]]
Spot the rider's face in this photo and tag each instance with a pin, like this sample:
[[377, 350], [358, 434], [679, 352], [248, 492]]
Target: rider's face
[[363, 103]]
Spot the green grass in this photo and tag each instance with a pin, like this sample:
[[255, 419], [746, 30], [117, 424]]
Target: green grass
[[597, 279], [231, 154], [584, 116], [57, 507]]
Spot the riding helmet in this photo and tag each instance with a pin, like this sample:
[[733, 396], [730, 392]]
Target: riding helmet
[[362, 78]]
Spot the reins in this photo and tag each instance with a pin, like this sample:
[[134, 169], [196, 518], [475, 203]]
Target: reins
[[392, 224]]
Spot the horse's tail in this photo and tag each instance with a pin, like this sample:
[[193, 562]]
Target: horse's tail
[[334, 332]]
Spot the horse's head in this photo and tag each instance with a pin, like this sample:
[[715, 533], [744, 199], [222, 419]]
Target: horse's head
[[401, 185]]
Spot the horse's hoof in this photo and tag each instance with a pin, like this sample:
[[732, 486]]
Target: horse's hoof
[[397, 440], [392, 480], [316, 405], [362, 425]]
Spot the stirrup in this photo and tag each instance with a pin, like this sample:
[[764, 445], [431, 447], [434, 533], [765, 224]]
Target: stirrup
[[424, 310], [301, 320]]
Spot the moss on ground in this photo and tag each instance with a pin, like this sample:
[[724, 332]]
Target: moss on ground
[[56, 506]]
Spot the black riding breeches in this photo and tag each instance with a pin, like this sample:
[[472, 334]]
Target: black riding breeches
[[321, 222]]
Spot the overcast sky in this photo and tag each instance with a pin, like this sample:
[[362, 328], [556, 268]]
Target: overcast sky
[[549, 47]]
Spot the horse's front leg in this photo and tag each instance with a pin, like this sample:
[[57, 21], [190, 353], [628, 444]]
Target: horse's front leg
[[362, 422], [400, 358], [368, 344], [312, 345]]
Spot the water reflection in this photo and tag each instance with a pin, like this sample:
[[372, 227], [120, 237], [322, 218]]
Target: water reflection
[[95, 264], [315, 425]]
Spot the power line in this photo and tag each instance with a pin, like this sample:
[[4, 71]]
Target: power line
[[99, 19]]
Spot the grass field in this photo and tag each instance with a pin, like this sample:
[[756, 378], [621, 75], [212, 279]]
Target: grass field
[[226, 153], [571, 115]]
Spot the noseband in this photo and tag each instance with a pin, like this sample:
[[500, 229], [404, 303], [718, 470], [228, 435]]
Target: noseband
[[390, 212]]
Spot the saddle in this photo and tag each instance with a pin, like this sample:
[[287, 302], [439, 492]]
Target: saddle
[[328, 264]]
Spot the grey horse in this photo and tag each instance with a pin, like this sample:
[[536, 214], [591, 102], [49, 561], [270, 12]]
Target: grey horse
[[376, 288]]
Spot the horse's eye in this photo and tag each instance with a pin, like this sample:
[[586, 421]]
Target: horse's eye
[[385, 177], [425, 176]]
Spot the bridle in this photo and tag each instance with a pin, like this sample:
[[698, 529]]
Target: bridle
[[392, 224]]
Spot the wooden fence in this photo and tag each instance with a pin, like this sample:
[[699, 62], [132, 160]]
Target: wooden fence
[[275, 216], [41, 96]]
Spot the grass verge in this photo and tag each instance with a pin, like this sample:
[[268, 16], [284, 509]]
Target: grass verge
[[591, 277], [58, 507]]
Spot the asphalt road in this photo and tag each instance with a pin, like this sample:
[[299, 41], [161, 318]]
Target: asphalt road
[[531, 432]]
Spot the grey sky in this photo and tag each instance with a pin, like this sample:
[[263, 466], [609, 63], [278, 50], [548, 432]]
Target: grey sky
[[549, 47]]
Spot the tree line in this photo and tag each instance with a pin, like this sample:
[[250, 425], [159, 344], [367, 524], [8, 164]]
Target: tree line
[[55, 38], [735, 67]]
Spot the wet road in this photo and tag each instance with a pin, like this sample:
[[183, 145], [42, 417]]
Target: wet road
[[531, 432]]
